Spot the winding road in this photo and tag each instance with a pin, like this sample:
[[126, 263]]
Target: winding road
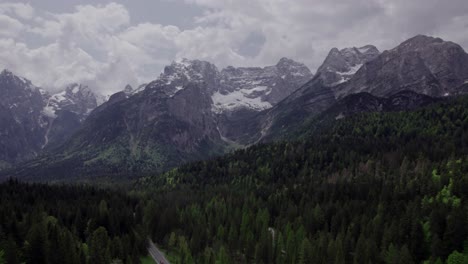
[[156, 254]]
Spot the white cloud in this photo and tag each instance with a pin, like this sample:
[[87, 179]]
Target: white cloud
[[99, 45], [9, 27], [23, 11], [307, 29]]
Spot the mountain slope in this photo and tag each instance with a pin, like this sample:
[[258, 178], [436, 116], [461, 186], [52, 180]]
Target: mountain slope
[[173, 120], [393, 182], [340, 65], [258, 88], [422, 64], [66, 111], [34, 120], [23, 126], [179, 117], [150, 131]]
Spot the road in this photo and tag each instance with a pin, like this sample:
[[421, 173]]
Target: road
[[157, 255]]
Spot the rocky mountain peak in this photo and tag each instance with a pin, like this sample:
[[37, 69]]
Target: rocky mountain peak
[[418, 41], [76, 98], [80, 91], [286, 62], [128, 89], [293, 69], [422, 64], [180, 73], [22, 124], [6, 72], [340, 65], [19, 93], [252, 88], [369, 52], [10, 80], [256, 88]]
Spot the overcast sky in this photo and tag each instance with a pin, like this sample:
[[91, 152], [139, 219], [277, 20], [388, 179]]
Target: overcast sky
[[108, 44]]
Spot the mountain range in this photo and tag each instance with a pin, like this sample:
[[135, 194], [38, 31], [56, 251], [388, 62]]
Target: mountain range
[[34, 120], [194, 111]]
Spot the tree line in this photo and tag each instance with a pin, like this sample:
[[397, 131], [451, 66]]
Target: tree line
[[371, 188], [69, 224]]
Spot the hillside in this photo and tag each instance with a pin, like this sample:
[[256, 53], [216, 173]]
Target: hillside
[[371, 188]]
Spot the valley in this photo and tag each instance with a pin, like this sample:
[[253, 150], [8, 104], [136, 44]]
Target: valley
[[364, 161]]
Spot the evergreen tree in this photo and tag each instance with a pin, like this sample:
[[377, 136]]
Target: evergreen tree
[[2, 257], [37, 244], [99, 251], [457, 258], [222, 256]]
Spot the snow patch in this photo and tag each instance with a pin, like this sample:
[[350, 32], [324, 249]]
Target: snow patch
[[255, 89], [237, 99], [170, 79], [59, 97], [22, 79], [342, 80], [76, 89], [352, 70], [49, 112], [42, 91], [297, 74], [363, 49]]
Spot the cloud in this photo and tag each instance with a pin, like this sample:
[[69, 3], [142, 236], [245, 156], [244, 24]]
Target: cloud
[[80, 47], [9, 27], [23, 11], [100, 46], [307, 29]]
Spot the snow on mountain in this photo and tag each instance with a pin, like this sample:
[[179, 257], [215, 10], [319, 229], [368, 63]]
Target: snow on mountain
[[422, 64], [233, 88], [341, 65], [129, 90], [239, 99], [260, 88], [23, 125], [76, 98], [180, 73]]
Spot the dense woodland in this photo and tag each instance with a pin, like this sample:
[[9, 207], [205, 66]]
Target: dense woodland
[[68, 224], [371, 188]]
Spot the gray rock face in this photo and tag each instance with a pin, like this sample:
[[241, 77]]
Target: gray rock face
[[232, 89], [306, 102], [23, 126], [34, 120], [194, 111], [341, 65], [76, 98], [235, 94], [179, 74], [310, 100], [258, 88], [365, 102], [174, 119], [149, 131], [66, 111], [421, 64]]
